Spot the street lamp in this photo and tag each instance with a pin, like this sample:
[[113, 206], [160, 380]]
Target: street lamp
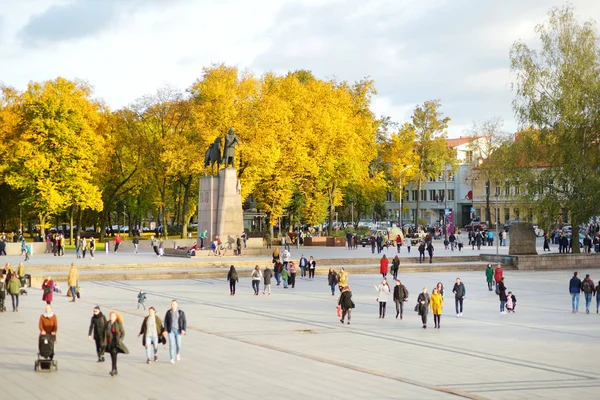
[[400, 199], [497, 223]]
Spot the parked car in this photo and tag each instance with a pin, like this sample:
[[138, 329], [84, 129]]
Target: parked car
[[478, 226], [364, 240]]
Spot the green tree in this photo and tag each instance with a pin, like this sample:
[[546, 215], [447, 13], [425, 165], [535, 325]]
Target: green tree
[[558, 102]]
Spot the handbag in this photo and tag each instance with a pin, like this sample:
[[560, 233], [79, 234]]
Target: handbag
[[417, 308], [339, 311]]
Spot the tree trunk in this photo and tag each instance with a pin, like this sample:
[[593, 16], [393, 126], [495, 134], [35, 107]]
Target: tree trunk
[[79, 217], [186, 200], [42, 225], [71, 225], [575, 249], [419, 183], [488, 214]]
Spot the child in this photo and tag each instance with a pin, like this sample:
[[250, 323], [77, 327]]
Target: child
[[446, 243], [57, 289], [511, 302], [141, 300]]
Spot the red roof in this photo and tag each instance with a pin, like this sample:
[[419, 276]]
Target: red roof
[[452, 143]]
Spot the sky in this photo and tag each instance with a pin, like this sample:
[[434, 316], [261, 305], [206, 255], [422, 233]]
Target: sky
[[456, 51]]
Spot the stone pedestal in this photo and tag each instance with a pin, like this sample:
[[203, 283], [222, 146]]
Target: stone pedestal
[[522, 239], [220, 207]]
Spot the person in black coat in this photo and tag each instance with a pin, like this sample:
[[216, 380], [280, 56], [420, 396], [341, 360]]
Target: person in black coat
[[97, 331], [332, 280], [346, 303], [423, 306], [502, 295], [400, 296]]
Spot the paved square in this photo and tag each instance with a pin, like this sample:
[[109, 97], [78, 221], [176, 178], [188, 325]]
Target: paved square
[[290, 345]]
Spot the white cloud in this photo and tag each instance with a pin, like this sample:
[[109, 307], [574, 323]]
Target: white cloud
[[455, 51]]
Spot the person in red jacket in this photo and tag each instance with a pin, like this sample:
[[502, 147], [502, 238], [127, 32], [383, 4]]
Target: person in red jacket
[[498, 274], [383, 266]]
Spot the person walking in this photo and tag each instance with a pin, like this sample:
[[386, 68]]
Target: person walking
[[154, 244], [292, 268], [430, 251], [256, 276], [73, 281], [78, 247], [175, 328], [498, 274], [575, 289], [278, 269], [437, 303], [285, 276], [489, 276], [452, 240], [48, 290], [141, 300], [421, 252], [115, 333], [502, 295], [596, 293], [587, 287], [312, 266], [383, 295], [383, 266], [395, 266], [303, 264], [342, 278], [267, 276], [136, 244], [346, 303], [546, 242], [202, 237], [276, 256], [92, 247], [232, 277], [423, 306], [332, 280], [48, 324], [14, 289], [399, 297], [459, 296], [151, 332], [118, 241], [2, 292], [286, 258], [97, 331]]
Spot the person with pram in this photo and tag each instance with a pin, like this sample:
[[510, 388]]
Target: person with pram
[[48, 326]]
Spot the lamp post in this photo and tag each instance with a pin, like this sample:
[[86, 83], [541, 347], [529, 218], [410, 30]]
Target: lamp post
[[445, 202], [497, 223]]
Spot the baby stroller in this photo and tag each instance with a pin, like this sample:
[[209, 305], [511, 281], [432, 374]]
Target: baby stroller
[[45, 361]]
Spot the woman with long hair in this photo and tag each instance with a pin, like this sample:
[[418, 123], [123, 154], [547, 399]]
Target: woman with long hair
[[115, 332], [384, 294], [423, 306], [437, 302]]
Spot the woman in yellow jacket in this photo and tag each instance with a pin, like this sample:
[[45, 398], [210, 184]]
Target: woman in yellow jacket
[[342, 278], [73, 281], [437, 303]]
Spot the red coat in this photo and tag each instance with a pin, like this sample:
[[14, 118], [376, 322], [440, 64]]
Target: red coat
[[498, 274], [50, 285], [383, 266]]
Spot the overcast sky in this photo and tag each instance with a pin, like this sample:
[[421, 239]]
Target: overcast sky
[[415, 50]]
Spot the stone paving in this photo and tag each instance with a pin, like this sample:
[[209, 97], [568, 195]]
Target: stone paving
[[290, 345]]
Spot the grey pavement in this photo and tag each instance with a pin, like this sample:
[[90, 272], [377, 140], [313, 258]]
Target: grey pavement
[[290, 345]]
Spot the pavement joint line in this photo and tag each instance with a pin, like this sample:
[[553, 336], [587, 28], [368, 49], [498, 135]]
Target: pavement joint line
[[421, 343]]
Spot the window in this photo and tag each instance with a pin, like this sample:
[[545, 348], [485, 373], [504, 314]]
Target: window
[[517, 213], [390, 196], [413, 195], [506, 214], [497, 192], [469, 157], [441, 195], [450, 194], [441, 177], [450, 176], [432, 196], [517, 189], [423, 195], [507, 189]]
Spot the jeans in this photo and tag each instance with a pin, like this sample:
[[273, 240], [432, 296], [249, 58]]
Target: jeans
[[575, 301], [15, 301], [452, 246], [255, 286], [597, 301], [302, 271], [502, 304], [399, 307], [333, 285], [77, 252], [174, 342], [588, 300], [152, 344], [278, 278], [73, 292], [459, 302]]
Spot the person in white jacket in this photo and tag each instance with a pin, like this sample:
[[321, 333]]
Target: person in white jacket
[[384, 295]]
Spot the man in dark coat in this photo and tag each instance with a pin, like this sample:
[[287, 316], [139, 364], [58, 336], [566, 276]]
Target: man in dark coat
[[97, 332]]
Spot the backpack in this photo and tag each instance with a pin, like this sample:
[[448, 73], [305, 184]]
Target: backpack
[[234, 276], [586, 287]]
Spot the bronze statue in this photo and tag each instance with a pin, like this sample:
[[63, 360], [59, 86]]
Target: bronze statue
[[213, 155], [229, 149]]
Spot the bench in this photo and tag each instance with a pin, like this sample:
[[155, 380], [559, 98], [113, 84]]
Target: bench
[[176, 253]]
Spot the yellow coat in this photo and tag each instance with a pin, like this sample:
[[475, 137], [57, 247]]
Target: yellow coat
[[73, 277], [436, 302], [343, 281]]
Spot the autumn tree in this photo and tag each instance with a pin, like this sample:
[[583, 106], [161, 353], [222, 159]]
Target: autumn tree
[[431, 150], [558, 102], [55, 147]]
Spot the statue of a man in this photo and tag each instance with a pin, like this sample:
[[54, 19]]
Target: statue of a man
[[229, 149]]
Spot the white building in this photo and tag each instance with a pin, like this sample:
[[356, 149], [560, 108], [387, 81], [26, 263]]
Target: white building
[[450, 190]]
